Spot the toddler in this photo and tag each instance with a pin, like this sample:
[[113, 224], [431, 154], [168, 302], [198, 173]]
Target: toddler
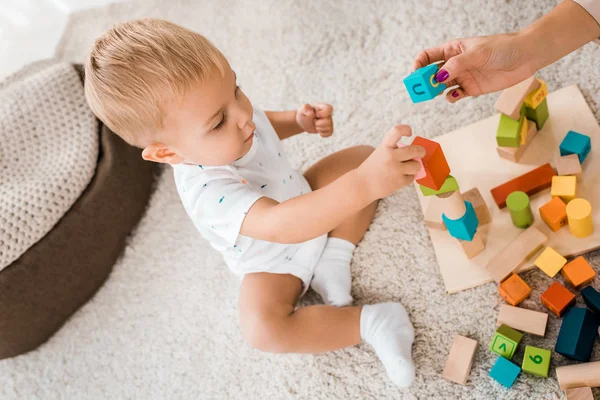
[[170, 92]]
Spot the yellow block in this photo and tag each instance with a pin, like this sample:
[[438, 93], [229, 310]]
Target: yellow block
[[533, 99], [550, 261], [524, 131], [564, 187], [579, 215]]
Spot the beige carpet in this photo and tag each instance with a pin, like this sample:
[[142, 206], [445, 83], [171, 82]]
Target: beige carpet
[[165, 325]]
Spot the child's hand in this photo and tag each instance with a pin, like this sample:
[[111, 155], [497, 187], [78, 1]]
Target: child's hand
[[315, 118], [389, 167]]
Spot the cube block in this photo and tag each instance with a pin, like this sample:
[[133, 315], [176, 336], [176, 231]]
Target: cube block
[[505, 372], [576, 143], [536, 361], [569, 165], [577, 334], [539, 114], [558, 299], [592, 299], [508, 133], [514, 290], [421, 84], [531, 183], [554, 213], [449, 185], [578, 272], [436, 167], [550, 262], [465, 227], [514, 154], [536, 96], [564, 187], [505, 341], [471, 248]]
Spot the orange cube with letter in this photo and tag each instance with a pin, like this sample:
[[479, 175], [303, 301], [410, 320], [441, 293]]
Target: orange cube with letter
[[435, 164]]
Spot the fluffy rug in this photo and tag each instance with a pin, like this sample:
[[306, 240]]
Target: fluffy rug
[[165, 325]]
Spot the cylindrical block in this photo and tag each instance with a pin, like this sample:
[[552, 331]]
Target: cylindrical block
[[579, 214], [454, 206], [520, 209]]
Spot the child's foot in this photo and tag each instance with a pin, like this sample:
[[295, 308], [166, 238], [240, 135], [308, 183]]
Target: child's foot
[[386, 327], [332, 278]]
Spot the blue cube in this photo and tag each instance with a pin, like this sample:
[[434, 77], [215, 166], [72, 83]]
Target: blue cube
[[577, 334], [421, 84], [592, 299], [505, 372], [465, 227], [576, 143]]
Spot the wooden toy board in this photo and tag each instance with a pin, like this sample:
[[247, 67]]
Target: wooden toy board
[[474, 161]]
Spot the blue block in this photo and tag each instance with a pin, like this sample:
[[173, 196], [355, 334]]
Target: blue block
[[577, 334], [592, 299], [576, 143], [421, 84], [465, 227], [505, 372]]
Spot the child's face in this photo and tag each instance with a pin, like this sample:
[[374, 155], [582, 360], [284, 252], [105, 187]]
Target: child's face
[[211, 126]]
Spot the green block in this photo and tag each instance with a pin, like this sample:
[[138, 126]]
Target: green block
[[509, 131], [539, 115], [449, 185], [520, 209], [536, 361], [505, 341]]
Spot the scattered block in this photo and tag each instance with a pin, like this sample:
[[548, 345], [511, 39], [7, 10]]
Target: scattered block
[[514, 154], [508, 133], [529, 321], [554, 213], [536, 361], [482, 211], [564, 187], [539, 114], [471, 248], [460, 359], [511, 99], [520, 209], [550, 262], [569, 165], [531, 183], [421, 84], [592, 299], [516, 253], [577, 334], [449, 185], [578, 375], [433, 213], [514, 290], [505, 341], [504, 372], [579, 217], [578, 272], [558, 299], [576, 143], [580, 393], [463, 228], [535, 97], [435, 164]]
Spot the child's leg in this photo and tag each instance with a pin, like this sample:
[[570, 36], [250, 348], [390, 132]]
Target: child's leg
[[332, 279], [269, 323]]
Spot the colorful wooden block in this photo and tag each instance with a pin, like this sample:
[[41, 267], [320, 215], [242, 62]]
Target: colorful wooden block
[[529, 321], [554, 213], [435, 164], [531, 183], [465, 227], [578, 375], [576, 143], [579, 218], [433, 213], [569, 165], [516, 253], [449, 185], [460, 359], [511, 100], [564, 187], [473, 247], [514, 154], [505, 341], [536, 361], [505, 372], [580, 393], [520, 209], [592, 299], [514, 290], [421, 84], [482, 211], [523, 132], [577, 334], [539, 114], [558, 299], [453, 205], [550, 261], [508, 133], [578, 272], [536, 96]]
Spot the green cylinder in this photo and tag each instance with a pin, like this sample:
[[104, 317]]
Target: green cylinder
[[520, 209]]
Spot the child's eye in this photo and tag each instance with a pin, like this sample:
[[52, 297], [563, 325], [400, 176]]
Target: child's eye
[[220, 124]]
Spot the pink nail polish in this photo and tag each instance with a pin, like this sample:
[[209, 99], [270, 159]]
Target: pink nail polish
[[455, 94]]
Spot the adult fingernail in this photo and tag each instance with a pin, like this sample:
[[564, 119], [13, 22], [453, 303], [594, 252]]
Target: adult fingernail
[[455, 93], [442, 75]]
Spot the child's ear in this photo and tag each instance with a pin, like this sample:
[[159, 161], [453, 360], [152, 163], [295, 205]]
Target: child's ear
[[160, 153]]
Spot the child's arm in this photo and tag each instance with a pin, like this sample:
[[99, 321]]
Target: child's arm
[[284, 123], [314, 118]]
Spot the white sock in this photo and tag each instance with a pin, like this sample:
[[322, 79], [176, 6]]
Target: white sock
[[332, 279], [387, 328]]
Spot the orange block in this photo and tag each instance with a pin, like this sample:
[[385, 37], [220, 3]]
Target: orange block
[[557, 299], [578, 272], [554, 213], [514, 290], [435, 164], [531, 183]]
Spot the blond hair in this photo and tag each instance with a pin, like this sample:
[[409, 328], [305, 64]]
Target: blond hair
[[138, 67]]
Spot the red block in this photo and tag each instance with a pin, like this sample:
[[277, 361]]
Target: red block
[[435, 164], [531, 183]]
